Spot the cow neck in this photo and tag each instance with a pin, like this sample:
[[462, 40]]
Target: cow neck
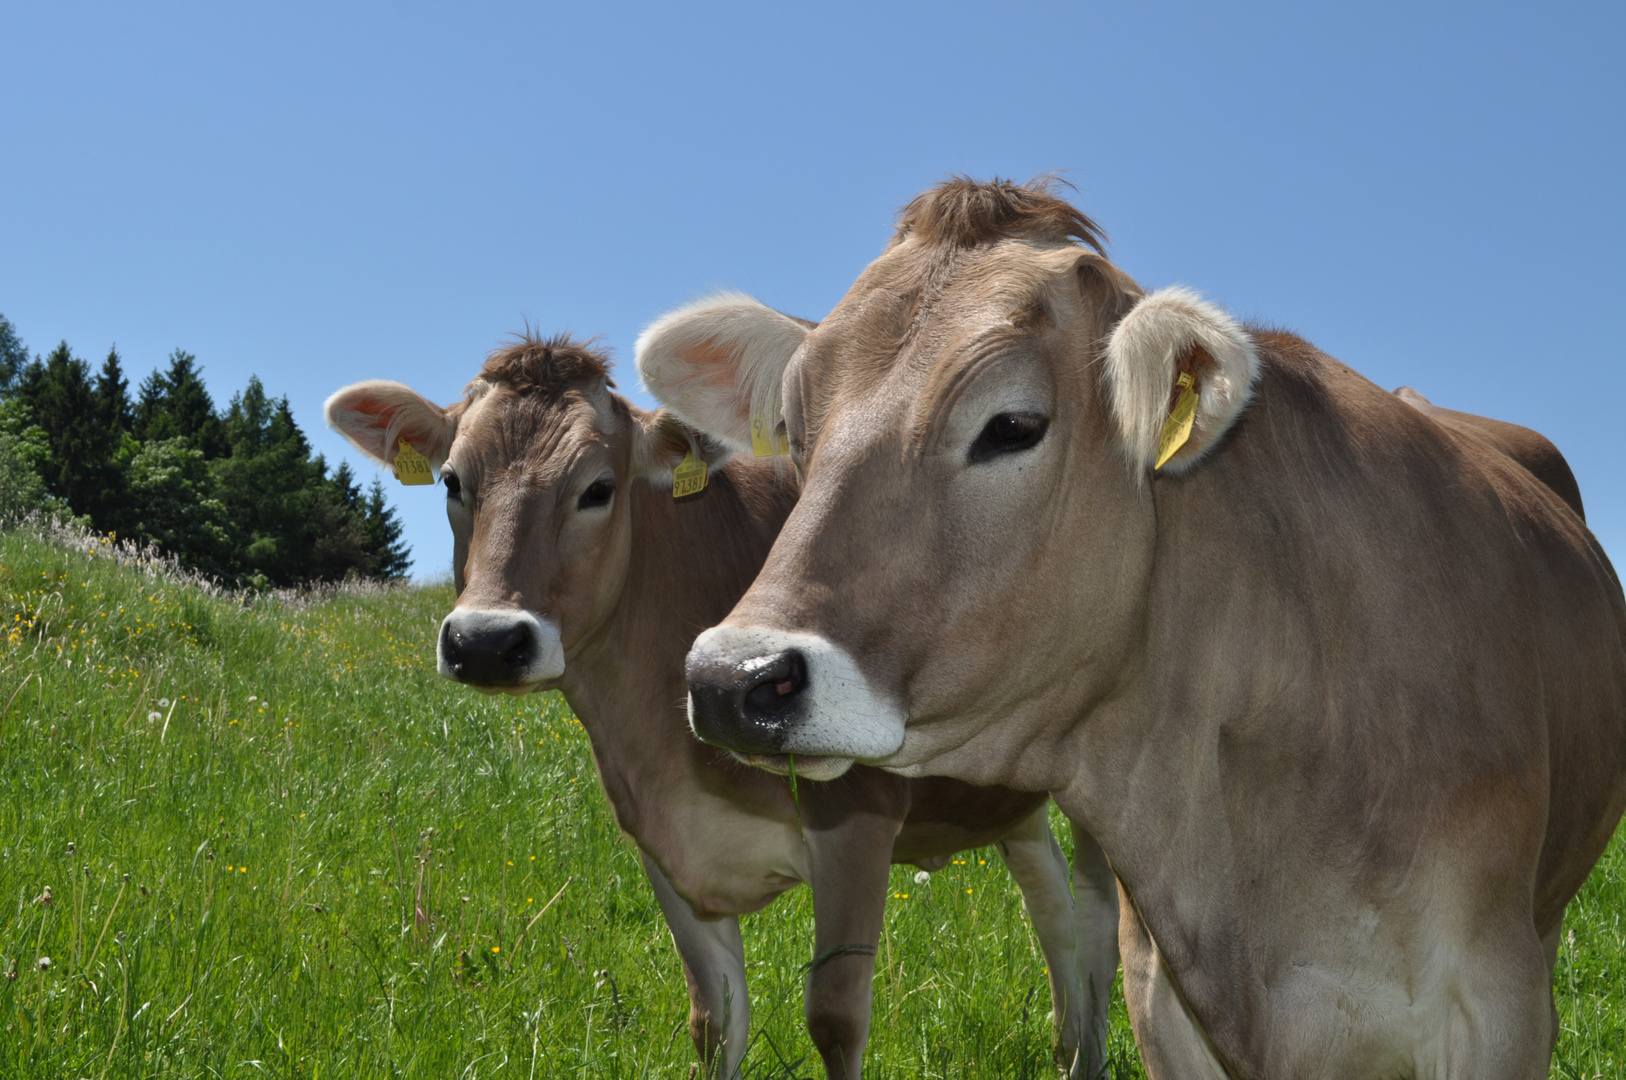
[[688, 564]]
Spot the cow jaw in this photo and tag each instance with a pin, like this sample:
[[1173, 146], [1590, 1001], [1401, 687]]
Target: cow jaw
[[771, 695], [500, 650]]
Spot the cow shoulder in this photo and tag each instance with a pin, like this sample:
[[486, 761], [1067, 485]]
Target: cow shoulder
[[1530, 449]]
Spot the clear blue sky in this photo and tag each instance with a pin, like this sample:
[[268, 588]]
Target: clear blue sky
[[323, 193]]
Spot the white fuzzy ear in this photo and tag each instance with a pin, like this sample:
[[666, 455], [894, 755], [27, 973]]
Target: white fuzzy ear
[[717, 362], [375, 415], [1167, 332]]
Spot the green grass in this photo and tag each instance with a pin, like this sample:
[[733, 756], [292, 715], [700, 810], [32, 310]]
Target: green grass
[[275, 843]]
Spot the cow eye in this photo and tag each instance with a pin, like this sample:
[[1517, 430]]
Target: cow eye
[[597, 494], [1008, 433], [454, 486]]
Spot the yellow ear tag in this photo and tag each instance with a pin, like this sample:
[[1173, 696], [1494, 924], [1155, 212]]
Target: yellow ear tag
[[412, 467], [1177, 428], [766, 440], [689, 478]]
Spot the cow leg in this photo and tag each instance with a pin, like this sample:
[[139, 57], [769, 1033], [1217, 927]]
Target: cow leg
[[1549, 950], [1500, 1022], [1095, 899], [1040, 869], [1172, 1043], [714, 967], [851, 863]]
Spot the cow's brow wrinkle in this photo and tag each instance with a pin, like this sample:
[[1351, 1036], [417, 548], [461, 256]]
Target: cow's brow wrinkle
[[992, 347]]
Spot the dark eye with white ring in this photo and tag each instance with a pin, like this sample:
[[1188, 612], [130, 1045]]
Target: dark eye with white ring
[[598, 494], [454, 486], [1008, 433]]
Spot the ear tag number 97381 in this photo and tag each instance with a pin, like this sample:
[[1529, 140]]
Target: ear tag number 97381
[[766, 439], [412, 467], [689, 478], [1177, 428]]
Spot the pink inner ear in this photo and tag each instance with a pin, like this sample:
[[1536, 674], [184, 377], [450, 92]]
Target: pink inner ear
[[710, 382], [366, 419], [713, 363]]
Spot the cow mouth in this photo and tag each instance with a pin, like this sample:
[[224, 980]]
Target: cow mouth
[[516, 691], [806, 766]]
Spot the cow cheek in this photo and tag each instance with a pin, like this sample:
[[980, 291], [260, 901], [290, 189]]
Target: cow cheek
[[591, 578]]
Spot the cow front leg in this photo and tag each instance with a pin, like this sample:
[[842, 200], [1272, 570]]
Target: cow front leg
[[714, 967], [1039, 868], [851, 864], [1095, 903]]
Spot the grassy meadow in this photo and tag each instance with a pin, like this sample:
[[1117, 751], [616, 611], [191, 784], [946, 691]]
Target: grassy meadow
[[266, 839]]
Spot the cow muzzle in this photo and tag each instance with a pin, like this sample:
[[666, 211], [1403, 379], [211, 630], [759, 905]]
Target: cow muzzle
[[506, 650], [770, 696]]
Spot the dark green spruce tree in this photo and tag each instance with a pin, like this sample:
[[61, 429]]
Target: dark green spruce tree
[[237, 495], [175, 404], [83, 469], [13, 356]]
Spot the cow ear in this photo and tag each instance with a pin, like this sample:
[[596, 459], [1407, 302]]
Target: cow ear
[[1164, 335], [719, 362], [661, 440], [377, 414]]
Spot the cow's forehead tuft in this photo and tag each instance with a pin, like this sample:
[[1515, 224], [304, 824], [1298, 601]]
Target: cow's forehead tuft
[[531, 364], [962, 213]]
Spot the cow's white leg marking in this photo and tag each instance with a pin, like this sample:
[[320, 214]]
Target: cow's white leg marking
[[714, 965], [1040, 869]]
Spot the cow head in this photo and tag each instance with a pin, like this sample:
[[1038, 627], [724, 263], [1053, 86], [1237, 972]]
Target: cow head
[[976, 426], [537, 460]]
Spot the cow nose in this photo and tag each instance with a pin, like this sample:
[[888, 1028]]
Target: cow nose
[[750, 705], [489, 648]]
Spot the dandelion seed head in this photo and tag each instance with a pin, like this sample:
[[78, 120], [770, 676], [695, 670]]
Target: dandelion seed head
[[44, 962], [163, 703], [154, 716], [922, 877]]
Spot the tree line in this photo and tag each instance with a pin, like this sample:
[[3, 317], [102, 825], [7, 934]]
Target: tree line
[[234, 493]]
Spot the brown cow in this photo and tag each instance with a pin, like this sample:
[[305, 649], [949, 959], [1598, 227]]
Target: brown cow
[[1340, 687], [576, 569]]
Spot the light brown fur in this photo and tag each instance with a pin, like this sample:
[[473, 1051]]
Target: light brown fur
[[1344, 704], [630, 587]]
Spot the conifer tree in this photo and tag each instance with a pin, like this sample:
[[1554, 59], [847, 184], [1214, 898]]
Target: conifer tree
[[175, 403], [60, 398], [113, 396], [13, 356], [390, 558], [238, 494]]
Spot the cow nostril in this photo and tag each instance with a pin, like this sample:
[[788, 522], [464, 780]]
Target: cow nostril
[[778, 680], [490, 648]]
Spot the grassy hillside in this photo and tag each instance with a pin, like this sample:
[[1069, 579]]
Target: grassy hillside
[[270, 840]]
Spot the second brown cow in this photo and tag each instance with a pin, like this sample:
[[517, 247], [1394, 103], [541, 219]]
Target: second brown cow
[[576, 569]]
